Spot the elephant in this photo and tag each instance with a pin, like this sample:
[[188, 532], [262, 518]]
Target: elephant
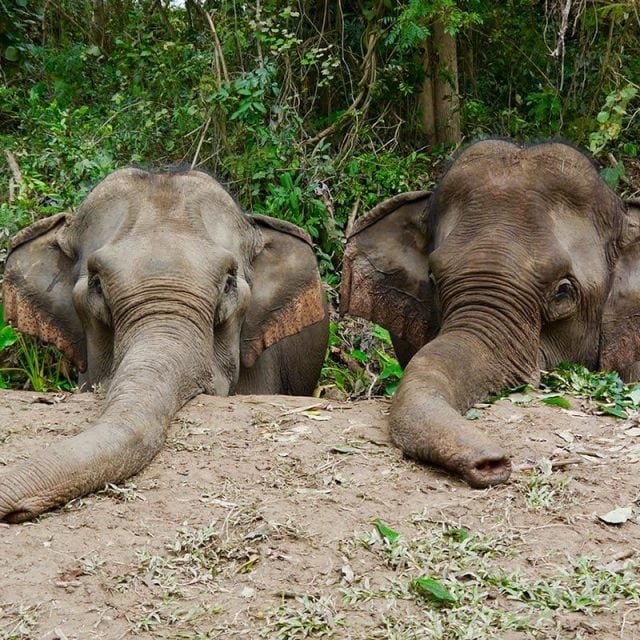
[[160, 288], [522, 257]]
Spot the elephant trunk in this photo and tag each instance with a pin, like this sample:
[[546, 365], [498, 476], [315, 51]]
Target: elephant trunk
[[460, 367], [154, 378]]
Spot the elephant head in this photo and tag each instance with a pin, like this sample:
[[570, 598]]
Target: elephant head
[[520, 259], [161, 288]]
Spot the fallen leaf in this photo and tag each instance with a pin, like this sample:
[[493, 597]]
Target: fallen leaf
[[385, 531], [347, 573], [316, 415], [557, 400], [614, 410], [634, 395], [520, 398], [340, 448], [617, 516], [432, 589]]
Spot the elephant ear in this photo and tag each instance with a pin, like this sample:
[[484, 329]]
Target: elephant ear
[[385, 272], [37, 287], [286, 290], [620, 333]]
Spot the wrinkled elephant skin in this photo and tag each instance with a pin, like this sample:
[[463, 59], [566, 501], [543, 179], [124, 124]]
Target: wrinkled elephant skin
[[160, 288], [520, 259]]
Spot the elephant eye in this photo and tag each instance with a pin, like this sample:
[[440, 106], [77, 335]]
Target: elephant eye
[[230, 283], [95, 284], [564, 289]]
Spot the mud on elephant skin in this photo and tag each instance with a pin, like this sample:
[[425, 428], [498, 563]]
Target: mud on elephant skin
[[521, 258], [161, 288]]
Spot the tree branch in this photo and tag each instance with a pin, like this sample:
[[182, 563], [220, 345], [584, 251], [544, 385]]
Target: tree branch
[[364, 90], [16, 180]]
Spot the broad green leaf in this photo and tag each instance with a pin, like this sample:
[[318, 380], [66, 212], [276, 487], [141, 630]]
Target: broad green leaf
[[634, 394], [628, 93], [616, 411], [8, 336], [391, 369], [382, 334], [385, 531], [359, 355], [432, 589], [612, 175], [557, 401], [391, 388]]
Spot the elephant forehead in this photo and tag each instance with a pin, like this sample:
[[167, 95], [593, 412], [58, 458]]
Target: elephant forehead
[[582, 240], [131, 199], [157, 253], [493, 157], [512, 174]]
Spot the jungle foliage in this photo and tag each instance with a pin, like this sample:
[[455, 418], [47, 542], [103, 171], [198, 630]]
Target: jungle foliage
[[310, 111]]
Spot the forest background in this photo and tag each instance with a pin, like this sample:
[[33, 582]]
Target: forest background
[[312, 111]]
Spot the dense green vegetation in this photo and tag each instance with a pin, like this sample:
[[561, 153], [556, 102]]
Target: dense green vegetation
[[310, 111]]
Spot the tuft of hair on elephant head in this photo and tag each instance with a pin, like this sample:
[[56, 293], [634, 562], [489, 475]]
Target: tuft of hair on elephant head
[[161, 288], [520, 259]]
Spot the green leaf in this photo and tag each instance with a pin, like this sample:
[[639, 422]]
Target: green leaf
[[385, 531], [391, 388], [602, 117], [94, 51], [11, 53], [8, 336], [557, 401], [628, 93], [359, 355], [612, 175], [616, 411], [381, 334], [457, 533], [432, 589], [391, 369], [634, 394]]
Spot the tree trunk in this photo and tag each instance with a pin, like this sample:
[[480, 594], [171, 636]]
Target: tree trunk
[[99, 26], [439, 98]]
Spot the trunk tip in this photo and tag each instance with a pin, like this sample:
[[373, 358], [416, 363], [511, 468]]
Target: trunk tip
[[488, 471]]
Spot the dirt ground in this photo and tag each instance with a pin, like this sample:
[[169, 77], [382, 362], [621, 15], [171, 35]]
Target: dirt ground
[[258, 519]]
